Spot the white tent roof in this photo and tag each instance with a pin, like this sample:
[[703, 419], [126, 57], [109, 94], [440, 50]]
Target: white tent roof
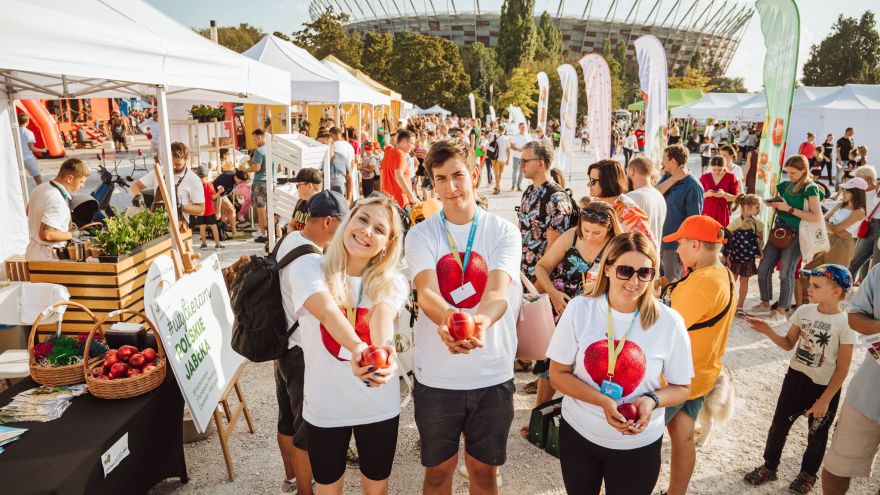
[[709, 106], [123, 48], [436, 109], [310, 80], [852, 99], [364, 93]]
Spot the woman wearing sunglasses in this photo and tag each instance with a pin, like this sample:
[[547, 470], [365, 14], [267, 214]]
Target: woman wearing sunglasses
[[347, 300], [609, 349], [608, 183]]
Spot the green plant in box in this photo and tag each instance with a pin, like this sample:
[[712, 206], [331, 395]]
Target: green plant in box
[[122, 234]]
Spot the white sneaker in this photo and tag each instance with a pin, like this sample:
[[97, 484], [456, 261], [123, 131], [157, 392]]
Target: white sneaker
[[775, 318], [462, 471], [758, 310], [288, 486]]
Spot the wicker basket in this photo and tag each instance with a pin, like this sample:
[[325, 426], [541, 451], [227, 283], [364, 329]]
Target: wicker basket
[[124, 388], [56, 376]]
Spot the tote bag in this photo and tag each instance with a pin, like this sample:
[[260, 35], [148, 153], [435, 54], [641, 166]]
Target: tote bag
[[813, 237], [535, 325]]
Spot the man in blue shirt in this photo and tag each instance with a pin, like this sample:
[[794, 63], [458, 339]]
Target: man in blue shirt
[[258, 185], [857, 437], [684, 198]]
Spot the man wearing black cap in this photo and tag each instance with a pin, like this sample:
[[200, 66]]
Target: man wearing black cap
[[308, 183], [326, 209]]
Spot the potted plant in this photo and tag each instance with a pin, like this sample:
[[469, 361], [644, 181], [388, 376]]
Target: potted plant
[[125, 235]]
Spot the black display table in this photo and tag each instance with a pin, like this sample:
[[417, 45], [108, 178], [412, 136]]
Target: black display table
[[64, 456]]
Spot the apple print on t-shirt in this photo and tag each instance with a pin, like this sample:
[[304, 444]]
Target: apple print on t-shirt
[[449, 278], [361, 328], [629, 370]]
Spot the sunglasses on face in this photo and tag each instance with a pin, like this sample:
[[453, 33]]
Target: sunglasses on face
[[596, 216], [624, 272]]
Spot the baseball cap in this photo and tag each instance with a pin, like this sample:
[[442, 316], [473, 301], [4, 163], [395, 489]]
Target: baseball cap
[[310, 175], [327, 203], [855, 183], [699, 228], [837, 273], [202, 171]]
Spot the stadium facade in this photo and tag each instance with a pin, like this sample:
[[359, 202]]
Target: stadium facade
[[714, 27]]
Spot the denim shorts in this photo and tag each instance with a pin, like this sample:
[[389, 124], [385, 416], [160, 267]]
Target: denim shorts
[[690, 407]]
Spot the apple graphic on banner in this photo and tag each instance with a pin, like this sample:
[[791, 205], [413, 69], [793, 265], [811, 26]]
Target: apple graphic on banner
[[630, 367], [361, 328], [778, 129], [449, 278]]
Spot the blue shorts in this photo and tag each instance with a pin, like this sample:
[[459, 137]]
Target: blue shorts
[[30, 164], [690, 407]]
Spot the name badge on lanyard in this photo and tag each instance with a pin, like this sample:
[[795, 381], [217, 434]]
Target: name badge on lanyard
[[466, 289], [609, 387]]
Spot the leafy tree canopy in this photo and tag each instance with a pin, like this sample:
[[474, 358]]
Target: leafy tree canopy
[[522, 89], [325, 36], [428, 70], [517, 34], [237, 39], [549, 42], [692, 79], [850, 54]]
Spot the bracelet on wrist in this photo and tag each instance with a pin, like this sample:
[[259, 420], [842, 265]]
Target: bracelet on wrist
[[653, 397]]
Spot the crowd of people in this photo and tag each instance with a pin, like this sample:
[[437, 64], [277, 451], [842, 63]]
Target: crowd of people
[[646, 272]]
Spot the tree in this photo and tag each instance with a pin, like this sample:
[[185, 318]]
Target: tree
[[614, 67], [376, 56], [279, 34], [850, 54], [549, 42], [481, 64], [522, 90], [517, 35], [428, 70], [692, 79], [325, 36], [728, 85], [237, 39]]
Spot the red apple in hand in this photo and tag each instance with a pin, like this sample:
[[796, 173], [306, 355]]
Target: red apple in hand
[[629, 411], [137, 360], [375, 356], [461, 325], [149, 354], [119, 370]]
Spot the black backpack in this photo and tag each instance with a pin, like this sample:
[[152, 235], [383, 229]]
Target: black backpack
[[492, 150], [260, 331]]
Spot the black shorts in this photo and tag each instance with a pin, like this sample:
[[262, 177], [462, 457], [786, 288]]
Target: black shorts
[[196, 220], [484, 416], [376, 444], [289, 377], [119, 138]]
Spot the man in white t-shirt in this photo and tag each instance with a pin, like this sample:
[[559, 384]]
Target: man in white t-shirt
[[326, 209], [503, 144], [48, 211], [517, 141], [465, 258], [188, 185], [344, 148], [29, 147], [150, 128], [643, 193]]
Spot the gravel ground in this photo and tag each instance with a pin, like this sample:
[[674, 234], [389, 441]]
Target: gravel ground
[[733, 449]]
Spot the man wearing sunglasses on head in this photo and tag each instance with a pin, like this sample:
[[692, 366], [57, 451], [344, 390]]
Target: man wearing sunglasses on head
[[705, 300]]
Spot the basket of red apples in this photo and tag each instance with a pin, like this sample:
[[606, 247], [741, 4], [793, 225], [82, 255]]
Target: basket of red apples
[[128, 371], [46, 370]]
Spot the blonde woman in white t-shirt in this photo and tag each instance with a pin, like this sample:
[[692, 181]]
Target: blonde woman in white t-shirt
[[597, 443], [348, 301]]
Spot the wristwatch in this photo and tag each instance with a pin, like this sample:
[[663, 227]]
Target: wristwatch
[[653, 397]]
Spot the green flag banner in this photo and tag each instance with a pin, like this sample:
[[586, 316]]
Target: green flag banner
[[780, 23]]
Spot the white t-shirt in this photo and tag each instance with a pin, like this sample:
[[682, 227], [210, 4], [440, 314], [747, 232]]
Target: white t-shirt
[[151, 126], [519, 140], [334, 397], [820, 339], [46, 205], [497, 246], [190, 190], [345, 149], [503, 144], [631, 142], [667, 350], [26, 136], [737, 172], [583, 133], [288, 278], [652, 202]]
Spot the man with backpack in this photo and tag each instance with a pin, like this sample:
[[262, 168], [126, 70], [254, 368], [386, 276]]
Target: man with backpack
[[326, 210], [499, 151]]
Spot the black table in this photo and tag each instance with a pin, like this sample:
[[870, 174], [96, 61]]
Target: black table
[[64, 456]]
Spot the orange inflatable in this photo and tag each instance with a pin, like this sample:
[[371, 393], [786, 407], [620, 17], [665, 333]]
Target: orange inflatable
[[47, 126]]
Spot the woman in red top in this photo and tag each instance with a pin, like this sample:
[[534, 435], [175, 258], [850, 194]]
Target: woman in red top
[[808, 149], [721, 189]]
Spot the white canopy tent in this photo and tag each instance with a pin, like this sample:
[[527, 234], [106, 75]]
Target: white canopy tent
[[435, 110], [366, 93], [710, 106], [109, 48], [754, 109]]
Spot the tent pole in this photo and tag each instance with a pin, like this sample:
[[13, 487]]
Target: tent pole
[[289, 121], [16, 139], [360, 121], [165, 151], [270, 192]]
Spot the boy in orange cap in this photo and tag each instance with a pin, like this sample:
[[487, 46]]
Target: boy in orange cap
[[705, 299]]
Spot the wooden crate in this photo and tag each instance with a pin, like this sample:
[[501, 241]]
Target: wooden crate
[[16, 269], [101, 287]]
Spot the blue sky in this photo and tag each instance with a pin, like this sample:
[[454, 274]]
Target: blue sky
[[287, 16]]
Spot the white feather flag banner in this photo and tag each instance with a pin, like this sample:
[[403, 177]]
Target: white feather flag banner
[[654, 86], [597, 82], [568, 116], [543, 96]]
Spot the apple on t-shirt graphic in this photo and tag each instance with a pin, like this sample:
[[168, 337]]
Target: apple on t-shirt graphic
[[629, 370], [449, 278], [361, 328]]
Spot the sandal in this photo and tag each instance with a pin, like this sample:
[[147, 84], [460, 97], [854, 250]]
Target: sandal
[[521, 366], [759, 476], [531, 387], [802, 484]]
